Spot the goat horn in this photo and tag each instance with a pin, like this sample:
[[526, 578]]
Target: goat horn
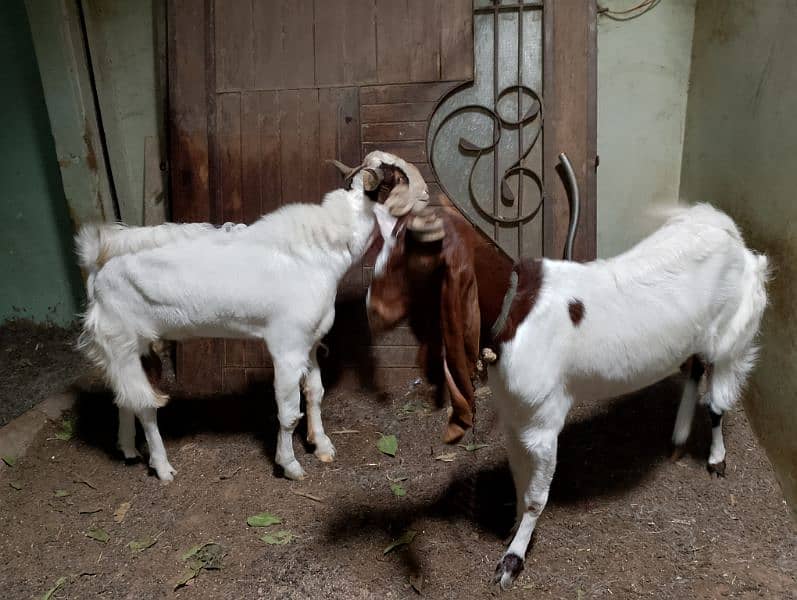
[[372, 179], [347, 171], [427, 226]]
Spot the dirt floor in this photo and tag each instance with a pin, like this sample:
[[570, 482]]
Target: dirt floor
[[622, 522], [36, 361]]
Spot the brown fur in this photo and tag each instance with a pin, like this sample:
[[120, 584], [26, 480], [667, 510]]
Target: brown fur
[[576, 309], [530, 276], [451, 292]]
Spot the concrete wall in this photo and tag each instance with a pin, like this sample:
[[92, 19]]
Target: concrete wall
[[37, 269], [740, 154], [643, 74]]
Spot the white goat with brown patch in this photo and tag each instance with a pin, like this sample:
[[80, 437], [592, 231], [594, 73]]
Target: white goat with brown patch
[[273, 281], [691, 292]]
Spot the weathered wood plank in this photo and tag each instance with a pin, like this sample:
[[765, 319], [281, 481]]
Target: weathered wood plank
[[234, 45], [396, 113], [339, 133], [392, 41], [424, 41], [456, 39], [283, 44], [269, 156], [250, 157], [345, 42], [255, 354], [234, 380], [386, 132], [412, 151], [234, 353], [298, 52], [230, 166], [405, 92], [188, 112], [299, 131]]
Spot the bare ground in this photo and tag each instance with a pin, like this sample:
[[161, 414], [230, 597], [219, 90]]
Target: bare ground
[[622, 522]]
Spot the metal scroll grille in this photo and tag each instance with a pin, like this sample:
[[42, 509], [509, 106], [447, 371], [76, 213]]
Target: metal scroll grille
[[485, 137]]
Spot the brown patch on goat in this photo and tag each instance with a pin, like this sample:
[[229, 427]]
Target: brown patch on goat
[[530, 276], [576, 310]]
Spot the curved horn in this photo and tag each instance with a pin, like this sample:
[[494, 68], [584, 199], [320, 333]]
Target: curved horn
[[372, 179], [345, 170], [427, 226]]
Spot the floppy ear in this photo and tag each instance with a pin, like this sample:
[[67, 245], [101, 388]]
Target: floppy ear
[[385, 220], [460, 323]]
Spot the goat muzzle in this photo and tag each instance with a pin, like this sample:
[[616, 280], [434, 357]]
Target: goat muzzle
[[426, 226]]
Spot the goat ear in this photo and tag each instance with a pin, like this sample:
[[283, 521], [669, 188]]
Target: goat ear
[[385, 220], [460, 323]]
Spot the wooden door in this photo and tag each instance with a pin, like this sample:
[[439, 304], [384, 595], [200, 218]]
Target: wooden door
[[263, 91]]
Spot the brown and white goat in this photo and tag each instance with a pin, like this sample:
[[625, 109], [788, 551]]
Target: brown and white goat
[[568, 331], [444, 287]]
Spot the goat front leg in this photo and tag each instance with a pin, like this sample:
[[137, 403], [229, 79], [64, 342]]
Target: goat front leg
[[286, 388], [314, 394], [126, 435], [148, 417], [541, 449]]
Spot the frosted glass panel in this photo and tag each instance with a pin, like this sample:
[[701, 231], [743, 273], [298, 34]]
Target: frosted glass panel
[[485, 139]]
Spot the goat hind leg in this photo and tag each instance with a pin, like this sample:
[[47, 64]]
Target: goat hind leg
[[724, 385], [287, 375], [157, 451], [314, 394], [686, 408], [126, 435]]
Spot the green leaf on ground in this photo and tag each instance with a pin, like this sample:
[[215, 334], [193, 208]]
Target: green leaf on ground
[[405, 540], [191, 552], [398, 490], [388, 444], [10, 461], [141, 545], [67, 430], [185, 578], [473, 447], [447, 457], [58, 585], [15, 485], [409, 408], [278, 538], [60, 493], [96, 533], [264, 519]]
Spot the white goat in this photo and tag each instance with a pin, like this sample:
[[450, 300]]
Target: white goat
[[273, 281], [587, 332]]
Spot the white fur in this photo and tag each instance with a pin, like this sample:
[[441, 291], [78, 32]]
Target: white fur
[[273, 281], [691, 288]]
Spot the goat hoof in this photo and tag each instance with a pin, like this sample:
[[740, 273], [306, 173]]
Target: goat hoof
[[165, 472], [507, 570], [717, 469], [325, 452], [677, 453], [132, 460], [293, 470]]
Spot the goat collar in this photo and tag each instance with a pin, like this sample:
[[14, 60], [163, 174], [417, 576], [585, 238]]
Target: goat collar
[[500, 322]]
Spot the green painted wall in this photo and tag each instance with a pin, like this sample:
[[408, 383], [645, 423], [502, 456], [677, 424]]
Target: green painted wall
[[643, 77], [37, 269], [740, 154]]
